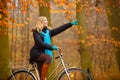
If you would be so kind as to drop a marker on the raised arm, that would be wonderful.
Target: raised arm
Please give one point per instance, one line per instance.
(60, 29)
(63, 28)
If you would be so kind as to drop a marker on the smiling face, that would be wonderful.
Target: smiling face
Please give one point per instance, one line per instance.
(45, 22)
(41, 23)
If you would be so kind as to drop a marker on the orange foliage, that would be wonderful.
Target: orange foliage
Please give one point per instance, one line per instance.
(99, 10)
(67, 8)
(93, 40)
(115, 29)
(20, 25)
(13, 36)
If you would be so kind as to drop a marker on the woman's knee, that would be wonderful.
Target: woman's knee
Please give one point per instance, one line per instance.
(48, 60)
(45, 58)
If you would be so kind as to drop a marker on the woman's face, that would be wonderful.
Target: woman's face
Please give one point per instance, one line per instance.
(45, 22)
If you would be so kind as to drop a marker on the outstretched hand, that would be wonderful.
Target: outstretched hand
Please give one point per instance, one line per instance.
(75, 22)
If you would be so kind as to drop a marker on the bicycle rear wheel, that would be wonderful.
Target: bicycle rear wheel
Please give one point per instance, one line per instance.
(22, 75)
(75, 74)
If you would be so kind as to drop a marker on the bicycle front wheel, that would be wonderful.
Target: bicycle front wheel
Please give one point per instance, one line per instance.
(75, 74)
(22, 75)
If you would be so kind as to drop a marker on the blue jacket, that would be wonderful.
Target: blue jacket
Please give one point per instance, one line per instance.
(39, 45)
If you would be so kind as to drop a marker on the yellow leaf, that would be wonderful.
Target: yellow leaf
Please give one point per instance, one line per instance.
(103, 36)
(99, 10)
(14, 36)
(55, 1)
(114, 28)
(0, 15)
(20, 25)
(26, 22)
(92, 37)
(82, 41)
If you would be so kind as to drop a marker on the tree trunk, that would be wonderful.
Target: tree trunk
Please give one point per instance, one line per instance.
(44, 10)
(4, 47)
(113, 12)
(84, 49)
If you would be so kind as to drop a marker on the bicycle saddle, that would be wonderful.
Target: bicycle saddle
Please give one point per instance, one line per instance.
(31, 61)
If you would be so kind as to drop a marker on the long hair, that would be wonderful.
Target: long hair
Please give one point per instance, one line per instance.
(39, 24)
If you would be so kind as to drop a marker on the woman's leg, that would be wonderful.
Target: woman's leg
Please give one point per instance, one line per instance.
(44, 61)
(40, 65)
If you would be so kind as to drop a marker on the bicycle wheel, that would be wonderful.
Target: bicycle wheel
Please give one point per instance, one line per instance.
(75, 74)
(22, 75)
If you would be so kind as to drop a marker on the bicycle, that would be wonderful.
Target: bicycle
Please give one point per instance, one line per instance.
(64, 73)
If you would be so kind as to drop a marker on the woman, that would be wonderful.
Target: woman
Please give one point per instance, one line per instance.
(41, 52)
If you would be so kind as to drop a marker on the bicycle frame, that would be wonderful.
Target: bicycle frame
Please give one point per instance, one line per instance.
(37, 73)
(64, 68)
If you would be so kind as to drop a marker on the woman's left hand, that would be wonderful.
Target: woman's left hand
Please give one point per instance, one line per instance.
(75, 22)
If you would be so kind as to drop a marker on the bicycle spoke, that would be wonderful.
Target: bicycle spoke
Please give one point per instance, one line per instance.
(76, 74)
(22, 75)
(73, 76)
(13, 77)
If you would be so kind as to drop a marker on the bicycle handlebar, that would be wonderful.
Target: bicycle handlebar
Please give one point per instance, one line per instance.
(60, 54)
(59, 49)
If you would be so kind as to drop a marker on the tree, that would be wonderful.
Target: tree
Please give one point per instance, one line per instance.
(44, 10)
(84, 49)
(113, 11)
(4, 42)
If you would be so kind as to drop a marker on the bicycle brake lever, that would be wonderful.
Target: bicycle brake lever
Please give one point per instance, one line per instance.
(58, 56)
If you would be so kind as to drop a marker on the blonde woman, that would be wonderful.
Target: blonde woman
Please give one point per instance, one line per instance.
(41, 52)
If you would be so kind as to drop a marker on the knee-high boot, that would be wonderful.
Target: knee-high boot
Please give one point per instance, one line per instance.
(44, 71)
(40, 64)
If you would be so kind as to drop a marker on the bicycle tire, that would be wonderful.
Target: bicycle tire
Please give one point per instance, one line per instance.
(22, 75)
(76, 74)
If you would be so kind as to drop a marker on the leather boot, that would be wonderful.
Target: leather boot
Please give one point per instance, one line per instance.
(44, 71)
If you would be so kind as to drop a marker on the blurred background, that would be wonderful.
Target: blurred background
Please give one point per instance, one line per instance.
(93, 44)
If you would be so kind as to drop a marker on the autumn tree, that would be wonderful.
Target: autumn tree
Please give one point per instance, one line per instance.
(113, 11)
(44, 10)
(84, 49)
(4, 42)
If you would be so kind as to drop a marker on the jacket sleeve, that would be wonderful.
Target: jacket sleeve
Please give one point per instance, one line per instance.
(60, 29)
(39, 42)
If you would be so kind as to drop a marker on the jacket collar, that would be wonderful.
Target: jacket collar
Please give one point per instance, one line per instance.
(44, 29)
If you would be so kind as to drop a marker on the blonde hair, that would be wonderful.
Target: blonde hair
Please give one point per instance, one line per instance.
(39, 23)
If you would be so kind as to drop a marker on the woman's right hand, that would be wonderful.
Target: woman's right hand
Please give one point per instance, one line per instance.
(54, 47)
